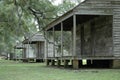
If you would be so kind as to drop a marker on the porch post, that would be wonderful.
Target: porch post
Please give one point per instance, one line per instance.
(53, 42)
(46, 49)
(61, 39)
(28, 50)
(46, 46)
(75, 61)
(58, 63)
(37, 54)
(14, 53)
(22, 51)
(74, 35)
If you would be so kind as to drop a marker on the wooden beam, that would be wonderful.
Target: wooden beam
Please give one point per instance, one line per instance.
(46, 45)
(74, 35)
(14, 52)
(28, 48)
(61, 39)
(23, 50)
(59, 20)
(58, 63)
(37, 54)
(53, 42)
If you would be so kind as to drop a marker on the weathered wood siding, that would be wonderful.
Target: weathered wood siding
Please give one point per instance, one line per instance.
(97, 7)
(94, 37)
(24, 53)
(29, 51)
(41, 50)
(103, 37)
(50, 49)
(116, 28)
(78, 41)
(11, 56)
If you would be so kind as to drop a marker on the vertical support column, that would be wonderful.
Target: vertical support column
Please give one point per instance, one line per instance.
(74, 35)
(53, 42)
(22, 51)
(75, 61)
(28, 51)
(58, 63)
(25, 51)
(37, 53)
(61, 39)
(46, 49)
(47, 62)
(53, 62)
(14, 53)
(66, 63)
(46, 46)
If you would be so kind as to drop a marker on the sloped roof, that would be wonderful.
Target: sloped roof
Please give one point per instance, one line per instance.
(88, 7)
(34, 38)
(19, 46)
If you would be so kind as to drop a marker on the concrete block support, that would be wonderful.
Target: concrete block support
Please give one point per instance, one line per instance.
(76, 63)
(25, 60)
(116, 64)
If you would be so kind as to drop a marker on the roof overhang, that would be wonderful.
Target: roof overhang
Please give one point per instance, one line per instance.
(34, 39)
(80, 10)
(19, 46)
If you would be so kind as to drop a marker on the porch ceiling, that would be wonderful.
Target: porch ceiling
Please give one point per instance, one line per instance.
(68, 23)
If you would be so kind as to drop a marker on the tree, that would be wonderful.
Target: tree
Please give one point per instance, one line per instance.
(22, 17)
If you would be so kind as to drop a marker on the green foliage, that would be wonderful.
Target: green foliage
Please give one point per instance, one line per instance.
(20, 17)
(65, 6)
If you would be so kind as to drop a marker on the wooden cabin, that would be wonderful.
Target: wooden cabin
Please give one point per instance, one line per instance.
(19, 47)
(35, 48)
(11, 56)
(92, 30)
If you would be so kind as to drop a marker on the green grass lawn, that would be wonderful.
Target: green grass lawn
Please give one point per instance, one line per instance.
(10, 70)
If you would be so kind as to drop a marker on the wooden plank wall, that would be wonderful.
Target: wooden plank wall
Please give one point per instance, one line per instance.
(42, 50)
(107, 37)
(103, 36)
(96, 38)
(105, 7)
(97, 7)
(38, 50)
(50, 49)
(116, 28)
(24, 53)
